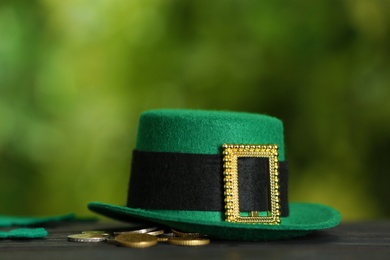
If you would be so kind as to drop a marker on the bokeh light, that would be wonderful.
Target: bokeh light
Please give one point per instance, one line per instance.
(75, 75)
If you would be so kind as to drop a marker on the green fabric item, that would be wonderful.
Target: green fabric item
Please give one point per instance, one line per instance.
(24, 233)
(7, 221)
(304, 218)
(27, 233)
(204, 132)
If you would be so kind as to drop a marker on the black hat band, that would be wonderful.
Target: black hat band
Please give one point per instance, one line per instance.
(182, 181)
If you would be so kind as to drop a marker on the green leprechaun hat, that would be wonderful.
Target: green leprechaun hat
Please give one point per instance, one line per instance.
(218, 173)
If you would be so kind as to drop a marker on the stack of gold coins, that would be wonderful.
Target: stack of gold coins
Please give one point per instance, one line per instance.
(142, 237)
(187, 239)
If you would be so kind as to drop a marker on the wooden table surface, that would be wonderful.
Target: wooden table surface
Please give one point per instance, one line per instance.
(363, 240)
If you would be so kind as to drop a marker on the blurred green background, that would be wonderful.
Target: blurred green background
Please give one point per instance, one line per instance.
(75, 75)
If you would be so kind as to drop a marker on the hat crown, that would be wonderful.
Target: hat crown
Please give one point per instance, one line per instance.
(204, 132)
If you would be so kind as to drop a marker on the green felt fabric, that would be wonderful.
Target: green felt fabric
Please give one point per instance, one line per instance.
(304, 218)
(24, 233)
(7, 221)
(204, 132)
(27, 233)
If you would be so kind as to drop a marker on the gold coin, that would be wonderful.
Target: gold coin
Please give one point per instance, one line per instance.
(136, 240)
(185, 234)
(96, 232)
(188, 241)
(87, 238)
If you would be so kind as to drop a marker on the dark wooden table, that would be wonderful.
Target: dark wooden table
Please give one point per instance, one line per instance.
(363, 240)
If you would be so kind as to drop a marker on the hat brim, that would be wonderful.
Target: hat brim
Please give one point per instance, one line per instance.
(304, 218)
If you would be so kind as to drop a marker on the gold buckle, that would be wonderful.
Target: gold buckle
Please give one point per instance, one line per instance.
(231, 153)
